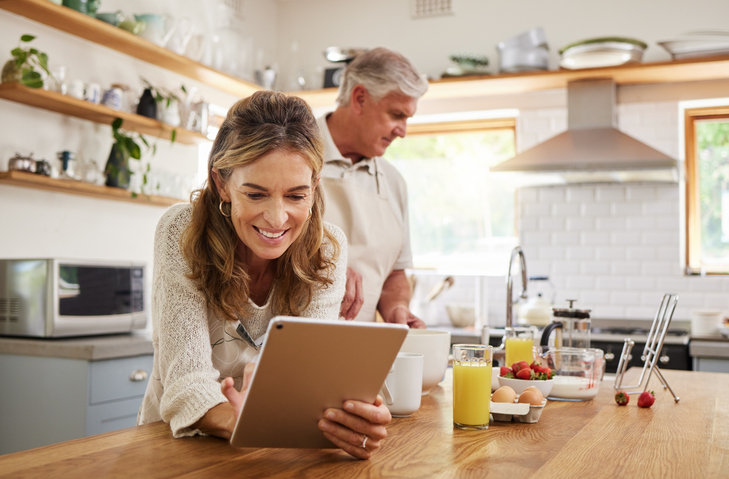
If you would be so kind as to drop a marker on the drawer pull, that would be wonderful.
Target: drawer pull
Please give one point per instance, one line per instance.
(609, 356)
(138, 375)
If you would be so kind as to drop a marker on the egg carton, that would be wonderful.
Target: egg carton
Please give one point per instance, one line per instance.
(518, 412)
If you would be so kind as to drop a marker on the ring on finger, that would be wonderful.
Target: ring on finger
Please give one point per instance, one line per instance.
(364, 442)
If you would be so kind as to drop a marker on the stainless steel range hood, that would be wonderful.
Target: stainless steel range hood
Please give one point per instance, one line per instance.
(592, 149)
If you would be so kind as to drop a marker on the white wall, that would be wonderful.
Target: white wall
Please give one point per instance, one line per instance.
(477, 26)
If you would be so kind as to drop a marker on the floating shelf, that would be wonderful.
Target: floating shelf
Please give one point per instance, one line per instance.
(694, 69)
(40, 182)
(76, 23)
(66, 105)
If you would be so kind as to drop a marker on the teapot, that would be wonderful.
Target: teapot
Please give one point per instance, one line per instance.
(158, 28)
(571, 327)
(537, 310)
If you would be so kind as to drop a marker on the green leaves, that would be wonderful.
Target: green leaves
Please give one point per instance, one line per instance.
(27, 38)
(127, 143)
(26, 60)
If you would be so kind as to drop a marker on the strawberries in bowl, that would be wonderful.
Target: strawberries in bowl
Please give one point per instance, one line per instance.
(521, 375)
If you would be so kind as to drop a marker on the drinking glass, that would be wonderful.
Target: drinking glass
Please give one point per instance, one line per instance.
(471, 385)
(519, 345)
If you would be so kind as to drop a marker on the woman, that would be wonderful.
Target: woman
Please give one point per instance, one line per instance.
(252, 245)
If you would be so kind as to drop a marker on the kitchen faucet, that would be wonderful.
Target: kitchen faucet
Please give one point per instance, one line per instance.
(510, 286)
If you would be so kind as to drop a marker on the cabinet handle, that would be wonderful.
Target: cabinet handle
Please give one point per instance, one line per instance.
(609, 356)
(138, 375)
(664, 359)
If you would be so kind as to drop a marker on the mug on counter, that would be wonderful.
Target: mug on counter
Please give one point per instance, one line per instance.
(402, 388)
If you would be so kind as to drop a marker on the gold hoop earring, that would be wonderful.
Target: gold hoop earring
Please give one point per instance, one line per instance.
(220, 207)
(307, 219)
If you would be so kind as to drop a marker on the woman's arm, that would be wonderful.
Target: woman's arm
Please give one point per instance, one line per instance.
(220, 420)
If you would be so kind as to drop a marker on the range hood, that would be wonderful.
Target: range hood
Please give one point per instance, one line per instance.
(592, 150)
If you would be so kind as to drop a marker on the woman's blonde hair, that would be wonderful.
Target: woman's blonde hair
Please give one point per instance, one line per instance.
(264, 122)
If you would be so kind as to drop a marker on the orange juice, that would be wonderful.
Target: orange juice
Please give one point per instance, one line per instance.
(471, 393)
(519, 349)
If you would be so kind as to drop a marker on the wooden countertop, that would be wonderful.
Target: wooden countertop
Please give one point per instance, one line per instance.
(572, 439)
(91, 348)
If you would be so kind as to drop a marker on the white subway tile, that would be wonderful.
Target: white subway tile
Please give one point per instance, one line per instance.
(534, 238)
(596, 239)
(641, 223)
(668, 222)
(640, 191)
(639, 312)
(706, 285)
(580, 194)
(579, 283)
(691, 300)
(613, 223)
(672, 284)
(626, 298)
(682, 313)
(610, 193)
(668, 253)
(552, 224)
(559, 282)
(566, 239)
(538, 267)
(551, 253)
(552, 194)
(566, 267)
(608, 312)
(594, 297)
(652, 298)
(610, 283)
(610, 252)
(528, 224)
(581, 224)
(625, 238)
(625, 267)
(640, 283)
(595, 267)
(528, 194)
(623, 208)
(659, 238)
(641, 253)
(667, 193)
(565, 209)
(657, 268)
(533, 124)
(536, 209)
(595, 209)
(715, 300)
(655, 208)
(580, 253)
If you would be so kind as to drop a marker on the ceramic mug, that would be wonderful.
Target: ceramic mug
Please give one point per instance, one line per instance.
(158, 28)
(402, 388)
(113, 98)
(76, 89)
(93, 93)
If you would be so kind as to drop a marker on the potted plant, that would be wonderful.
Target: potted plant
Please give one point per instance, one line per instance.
(126, 145)
(22, 68)
(167, 109)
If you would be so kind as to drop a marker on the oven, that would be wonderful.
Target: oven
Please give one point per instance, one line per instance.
(673, 355)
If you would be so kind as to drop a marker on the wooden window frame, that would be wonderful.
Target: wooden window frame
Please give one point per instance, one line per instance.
(693, 212)
(462, 126)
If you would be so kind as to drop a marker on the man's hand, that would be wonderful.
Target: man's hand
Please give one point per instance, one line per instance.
(394, 301)
(402, 315)
(353, 296)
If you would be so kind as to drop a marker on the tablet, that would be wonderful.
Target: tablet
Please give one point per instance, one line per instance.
(306, 366)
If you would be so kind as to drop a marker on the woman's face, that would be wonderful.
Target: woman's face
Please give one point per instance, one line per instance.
(270, 199)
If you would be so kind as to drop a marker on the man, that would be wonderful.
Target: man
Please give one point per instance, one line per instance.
(365, 195)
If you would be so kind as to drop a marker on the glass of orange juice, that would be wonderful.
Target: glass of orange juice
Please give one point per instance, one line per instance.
(519, 345)
(472, 366)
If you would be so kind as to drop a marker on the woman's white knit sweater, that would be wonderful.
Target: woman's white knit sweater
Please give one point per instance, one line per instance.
(194, 349)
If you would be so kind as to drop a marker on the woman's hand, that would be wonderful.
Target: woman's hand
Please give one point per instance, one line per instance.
(347, 428)
(235, 398)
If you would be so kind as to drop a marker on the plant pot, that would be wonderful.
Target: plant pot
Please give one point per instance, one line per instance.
(117, 169)
(11, 73)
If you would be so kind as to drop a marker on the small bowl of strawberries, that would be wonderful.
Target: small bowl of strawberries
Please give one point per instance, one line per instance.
(521, 375)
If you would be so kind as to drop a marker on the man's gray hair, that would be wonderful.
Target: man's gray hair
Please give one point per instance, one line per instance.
(381, 71)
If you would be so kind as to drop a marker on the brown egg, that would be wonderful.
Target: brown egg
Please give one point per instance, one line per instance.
(504, 394)
(533, 388)
(531, 397)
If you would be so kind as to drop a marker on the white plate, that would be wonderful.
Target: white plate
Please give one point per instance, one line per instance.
(597, 59)
(694, 45)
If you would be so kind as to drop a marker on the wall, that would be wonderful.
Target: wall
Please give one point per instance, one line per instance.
(477, 26)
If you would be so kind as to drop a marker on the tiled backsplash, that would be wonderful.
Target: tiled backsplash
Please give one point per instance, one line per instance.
(615, 248)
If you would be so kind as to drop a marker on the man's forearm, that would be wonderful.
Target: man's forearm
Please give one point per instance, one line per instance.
(395, 294)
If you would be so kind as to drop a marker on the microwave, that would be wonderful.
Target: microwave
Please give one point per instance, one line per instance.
(53, 298)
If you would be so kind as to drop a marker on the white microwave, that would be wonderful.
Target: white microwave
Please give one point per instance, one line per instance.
(52, 298)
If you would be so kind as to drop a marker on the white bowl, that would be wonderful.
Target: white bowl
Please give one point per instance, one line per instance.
(435, 346)
(519, 385)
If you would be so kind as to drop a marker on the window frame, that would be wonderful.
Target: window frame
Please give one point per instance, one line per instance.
(694, 264)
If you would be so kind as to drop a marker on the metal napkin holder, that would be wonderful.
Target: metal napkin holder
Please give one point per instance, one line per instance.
(652, 349)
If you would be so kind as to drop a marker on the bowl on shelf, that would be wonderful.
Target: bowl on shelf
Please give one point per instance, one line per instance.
(461, 316)
(519, 385)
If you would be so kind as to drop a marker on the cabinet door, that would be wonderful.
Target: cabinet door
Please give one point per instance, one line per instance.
(118, 379)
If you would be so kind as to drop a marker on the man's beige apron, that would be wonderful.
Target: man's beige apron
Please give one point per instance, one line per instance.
(373, 230)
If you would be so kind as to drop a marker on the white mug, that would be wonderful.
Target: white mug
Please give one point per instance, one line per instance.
(402, 388)
(76, 89)
(93, 93)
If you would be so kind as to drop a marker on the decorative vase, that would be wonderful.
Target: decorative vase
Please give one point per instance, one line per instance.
(147, 105)
(117, 169)
(11, 73)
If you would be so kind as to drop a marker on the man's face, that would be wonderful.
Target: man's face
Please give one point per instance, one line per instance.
(383, 121)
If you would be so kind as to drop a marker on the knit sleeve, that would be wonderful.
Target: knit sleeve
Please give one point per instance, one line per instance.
(180, 313)
(327, 301)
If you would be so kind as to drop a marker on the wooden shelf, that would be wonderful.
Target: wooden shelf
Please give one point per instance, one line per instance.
(31, 180)
(76, 23)
(66, 105)
(694, 69)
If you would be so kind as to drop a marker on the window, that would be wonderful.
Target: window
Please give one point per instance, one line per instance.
(707, 189)
(460, 220)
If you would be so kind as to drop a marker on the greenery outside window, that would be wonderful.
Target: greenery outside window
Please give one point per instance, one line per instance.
(461, 220)
(707, 190)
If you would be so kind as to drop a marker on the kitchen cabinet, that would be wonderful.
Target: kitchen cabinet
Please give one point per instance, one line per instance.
(710, 354)
(45, 400)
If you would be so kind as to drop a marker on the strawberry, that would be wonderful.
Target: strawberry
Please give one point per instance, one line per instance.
(622, 398)
(503, 371)
(548, 372)
(646, 399)
(516, 367)
(525, 373)
(535, 365)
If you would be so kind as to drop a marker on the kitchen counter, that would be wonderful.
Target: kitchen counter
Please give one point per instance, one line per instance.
(572, 439)
(92, 348)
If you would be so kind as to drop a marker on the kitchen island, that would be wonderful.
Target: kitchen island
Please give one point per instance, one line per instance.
(572, 439)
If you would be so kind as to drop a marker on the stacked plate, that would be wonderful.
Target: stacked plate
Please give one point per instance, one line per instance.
(697, 44)
(527, 51)
(602, 52)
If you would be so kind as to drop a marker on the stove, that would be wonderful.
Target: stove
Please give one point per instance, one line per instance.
(674, 355)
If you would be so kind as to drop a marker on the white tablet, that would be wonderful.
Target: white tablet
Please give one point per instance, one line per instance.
(307, 366)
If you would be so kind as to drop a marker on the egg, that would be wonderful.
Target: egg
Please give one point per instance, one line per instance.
(531, 397)
(504, 394)
(533, 388)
